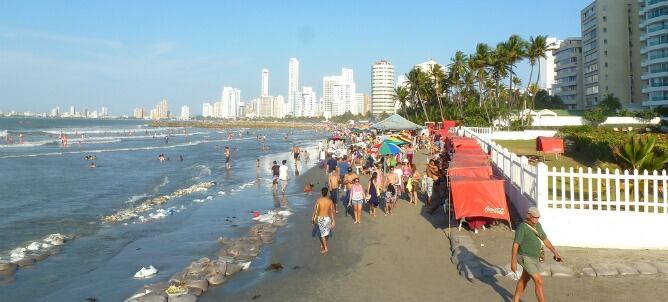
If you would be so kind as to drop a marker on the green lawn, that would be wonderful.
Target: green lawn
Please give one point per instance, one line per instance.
(567, 160)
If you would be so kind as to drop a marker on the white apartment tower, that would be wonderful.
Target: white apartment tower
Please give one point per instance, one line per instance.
(546, 67)
(382, 87)
(339, 93)
(568, 61)
(230, 99)
(611, 51)
(207, 110)
(185, 112)
(654, 52)
(293, 85)
(265, 82)
(308, 102)
(162, 110)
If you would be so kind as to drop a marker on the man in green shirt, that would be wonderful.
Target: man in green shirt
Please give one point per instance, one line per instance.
(526, 252)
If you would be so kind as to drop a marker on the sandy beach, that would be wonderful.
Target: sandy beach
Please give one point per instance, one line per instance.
(404, 257)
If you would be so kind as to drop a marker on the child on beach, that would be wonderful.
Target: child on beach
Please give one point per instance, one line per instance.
(308, 189)
(390, 199)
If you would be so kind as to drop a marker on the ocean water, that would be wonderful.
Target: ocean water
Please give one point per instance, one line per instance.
(48, 188)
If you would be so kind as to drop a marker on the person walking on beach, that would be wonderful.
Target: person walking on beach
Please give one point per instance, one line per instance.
(333, 183)
(528, 252)
(283, 175)
(390, 199)
(275, 171)
(357, 198)
(348, 180)
(323, 218)
(227, 157)
(373, 192)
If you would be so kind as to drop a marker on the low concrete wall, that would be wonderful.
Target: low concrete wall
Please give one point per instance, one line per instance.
(522, 135)
(605, 229)
(558, 121)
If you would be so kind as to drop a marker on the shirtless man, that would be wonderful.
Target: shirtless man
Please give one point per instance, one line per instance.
(227, 157)
(391, 178)
(333, 186)
(348, 181)
(323, 217)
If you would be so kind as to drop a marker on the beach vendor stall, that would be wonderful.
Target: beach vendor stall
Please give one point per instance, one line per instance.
(547, 145)
(478, 200)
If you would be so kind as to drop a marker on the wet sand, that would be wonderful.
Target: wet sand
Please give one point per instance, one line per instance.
(404, 257)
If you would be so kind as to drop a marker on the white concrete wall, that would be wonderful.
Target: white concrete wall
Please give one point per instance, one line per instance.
(605, 229)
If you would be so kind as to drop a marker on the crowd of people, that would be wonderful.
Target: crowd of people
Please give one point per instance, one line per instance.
(389, 177)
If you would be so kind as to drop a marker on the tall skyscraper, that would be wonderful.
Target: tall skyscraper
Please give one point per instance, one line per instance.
(207, 110)
(611, 51)
(161, 110)
(339, 93)
(546, 67)
(138, 113)
(265, 82)
(293, 85)
(72, 111)
(382, 87)
(653, 52)
(185, 112)
(230, 99)
(568, 60)
(104, 111)
(309, 102)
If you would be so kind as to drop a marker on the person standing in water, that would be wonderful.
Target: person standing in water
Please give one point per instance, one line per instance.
(275, 171)
(283, 175)
(227, 157)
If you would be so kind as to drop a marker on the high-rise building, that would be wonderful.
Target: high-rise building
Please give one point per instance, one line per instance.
(278, 107)
(382, 86)
(426, 66)
(293, 85)
(138, 113)
(568, 61)
(265, 82)
(161, 110)
(308, 99)
(654, 52)
(339, 93)
(207, 110)
(55, 112)
(185, 112)
(230, 99)
(217, 109)
(611, 51)
(73, 112)
(546, 70)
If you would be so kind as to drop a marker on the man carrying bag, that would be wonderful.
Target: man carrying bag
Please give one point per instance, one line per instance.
(528, 252)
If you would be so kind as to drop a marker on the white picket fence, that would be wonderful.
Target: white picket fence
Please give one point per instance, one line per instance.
(586, 207)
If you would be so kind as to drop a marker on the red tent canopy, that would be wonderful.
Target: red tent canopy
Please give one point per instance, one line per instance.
(466, 155)
(550, 144)
(478, 197)
(445, 124)
(477, 171)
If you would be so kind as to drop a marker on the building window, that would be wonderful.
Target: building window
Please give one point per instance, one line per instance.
(606, 64)
(604, 19)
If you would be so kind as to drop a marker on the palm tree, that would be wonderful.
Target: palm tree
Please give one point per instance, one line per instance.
(457, 70)
(401, 95)
(638, 153)
(478, 63)
(437, 75)
(537, 49)
(416, 85)
(514, 51)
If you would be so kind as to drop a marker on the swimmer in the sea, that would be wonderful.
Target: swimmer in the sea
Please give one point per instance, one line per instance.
(92, 165)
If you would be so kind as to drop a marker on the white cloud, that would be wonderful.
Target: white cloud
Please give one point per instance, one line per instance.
(163, 47)
(57, 37)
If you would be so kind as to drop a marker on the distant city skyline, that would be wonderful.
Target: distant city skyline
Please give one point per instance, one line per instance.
(80, 53)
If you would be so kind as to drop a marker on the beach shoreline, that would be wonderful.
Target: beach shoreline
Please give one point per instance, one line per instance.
(230, 124)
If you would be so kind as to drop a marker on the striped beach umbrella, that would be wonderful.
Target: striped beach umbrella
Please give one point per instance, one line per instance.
(388, 148)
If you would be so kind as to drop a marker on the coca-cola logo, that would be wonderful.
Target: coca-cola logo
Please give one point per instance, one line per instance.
(498, 211)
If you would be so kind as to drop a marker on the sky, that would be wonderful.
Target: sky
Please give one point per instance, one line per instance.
(126, 54)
